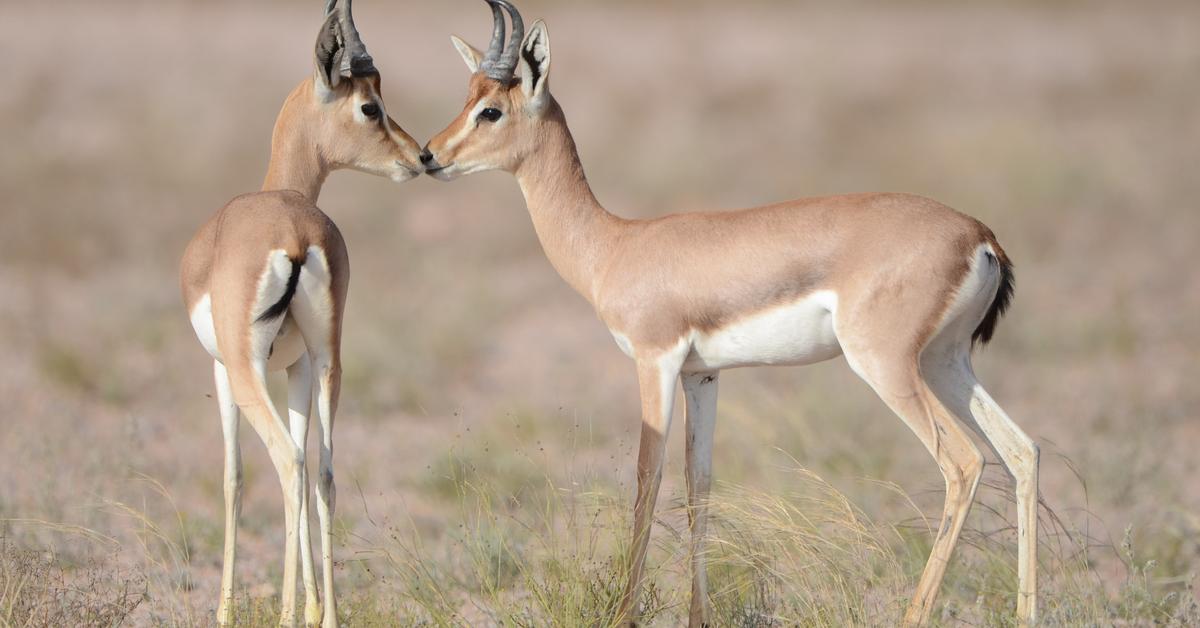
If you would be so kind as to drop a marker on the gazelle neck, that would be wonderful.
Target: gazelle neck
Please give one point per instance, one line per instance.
(576, 232)
(296, 162)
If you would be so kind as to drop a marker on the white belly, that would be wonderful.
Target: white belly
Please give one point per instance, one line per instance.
(800, 332)
(287, 347)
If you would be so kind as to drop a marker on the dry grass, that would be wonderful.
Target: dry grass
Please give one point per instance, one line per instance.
(486, 440)
(41, 588)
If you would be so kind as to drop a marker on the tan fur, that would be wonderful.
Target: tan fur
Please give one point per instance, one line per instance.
(705, 270)
(319, 129)
(897, 264)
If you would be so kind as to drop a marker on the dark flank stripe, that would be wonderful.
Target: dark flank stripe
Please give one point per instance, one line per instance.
(277, 310)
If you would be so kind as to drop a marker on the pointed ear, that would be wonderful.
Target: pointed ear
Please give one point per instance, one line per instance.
(470, 55)
(535, 65)
(328, 57)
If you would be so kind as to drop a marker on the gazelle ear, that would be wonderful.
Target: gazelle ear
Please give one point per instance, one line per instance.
(535, 65)
(328, 58)
(470, 55)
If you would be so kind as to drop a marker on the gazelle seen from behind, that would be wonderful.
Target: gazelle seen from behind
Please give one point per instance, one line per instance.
(903, 286)
(265, 281)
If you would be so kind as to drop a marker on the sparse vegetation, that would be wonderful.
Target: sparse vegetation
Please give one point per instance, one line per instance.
(40, 588)
(488, 427)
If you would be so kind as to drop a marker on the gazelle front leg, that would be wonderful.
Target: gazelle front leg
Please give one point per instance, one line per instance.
(656, 379)
(299, 407)
(233, 488)
(700, 392)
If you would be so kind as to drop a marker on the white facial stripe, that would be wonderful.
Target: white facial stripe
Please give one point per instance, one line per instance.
(373, 98)
(466, 129)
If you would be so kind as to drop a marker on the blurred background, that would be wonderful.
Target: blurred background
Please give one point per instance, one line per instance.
(472, 372)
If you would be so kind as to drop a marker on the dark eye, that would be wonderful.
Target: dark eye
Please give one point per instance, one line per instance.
(370, 110)
(490, 114)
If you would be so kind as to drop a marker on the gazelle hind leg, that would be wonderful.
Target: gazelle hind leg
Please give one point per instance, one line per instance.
(954, 382)
(899, 383)
(1020, 456)
(299, 406)
(288, 460)
(700, 392)
(245, 342)
(233, 489)
(316, 314)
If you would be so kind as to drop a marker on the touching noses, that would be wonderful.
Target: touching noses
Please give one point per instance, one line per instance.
(426, 156)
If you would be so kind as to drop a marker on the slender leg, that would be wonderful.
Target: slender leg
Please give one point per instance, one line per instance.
(245, 344)
(288, 460)
(299, 406)
(656, 380)
(315, 311)
(955, 383)
(329, 377)
(233, 489)
(948, 371)
(700, 391)
(1020, 456)
(899, 383)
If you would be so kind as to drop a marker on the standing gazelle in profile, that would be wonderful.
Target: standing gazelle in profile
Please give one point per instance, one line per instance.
(265, 284)
(901, 285)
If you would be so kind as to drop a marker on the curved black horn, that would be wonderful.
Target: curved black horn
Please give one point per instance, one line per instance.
(360, 62)
(491, 60)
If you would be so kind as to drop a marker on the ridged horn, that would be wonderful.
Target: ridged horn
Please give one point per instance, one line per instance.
(502, 65)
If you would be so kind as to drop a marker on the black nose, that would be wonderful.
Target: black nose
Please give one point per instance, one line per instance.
(426, 156)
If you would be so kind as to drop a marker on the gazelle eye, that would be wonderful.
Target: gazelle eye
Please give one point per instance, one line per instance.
(490, 114)
(370, 110)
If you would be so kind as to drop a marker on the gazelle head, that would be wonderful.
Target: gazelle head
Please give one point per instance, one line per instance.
(341, 110)
(504, 117)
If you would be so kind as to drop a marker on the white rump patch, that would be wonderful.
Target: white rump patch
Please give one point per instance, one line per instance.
(202, 323)
(972, 299)
(272, 285)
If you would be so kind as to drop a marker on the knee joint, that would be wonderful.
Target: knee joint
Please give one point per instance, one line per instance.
(326, 477)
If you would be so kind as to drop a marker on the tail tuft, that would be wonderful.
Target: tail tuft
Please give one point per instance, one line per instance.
(281, 306)
(1004, 295)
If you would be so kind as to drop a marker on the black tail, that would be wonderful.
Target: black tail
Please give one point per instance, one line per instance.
(281, 306)
(1004, 295)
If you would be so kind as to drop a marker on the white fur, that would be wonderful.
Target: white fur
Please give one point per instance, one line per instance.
(313, 288)
(622, 342)
(800, 332)
(470, 55)
(669, 365)
(202, 323)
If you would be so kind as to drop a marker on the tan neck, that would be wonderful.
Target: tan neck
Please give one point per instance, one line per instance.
(576, 232)
(296, 162)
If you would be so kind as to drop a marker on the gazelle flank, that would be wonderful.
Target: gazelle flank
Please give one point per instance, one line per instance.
(901, 285)
(265, 281)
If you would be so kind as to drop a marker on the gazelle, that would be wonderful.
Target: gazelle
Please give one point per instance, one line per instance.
(265, 284)
(903, 286)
